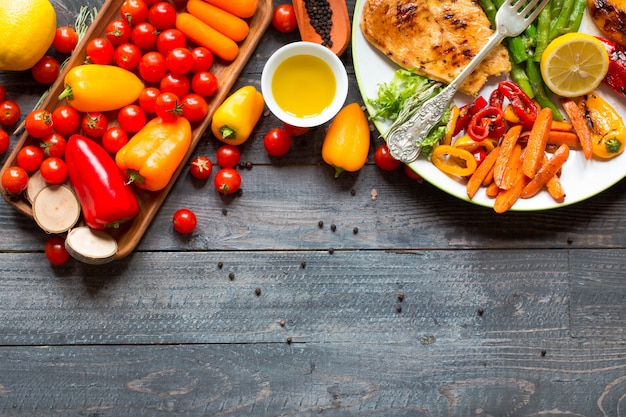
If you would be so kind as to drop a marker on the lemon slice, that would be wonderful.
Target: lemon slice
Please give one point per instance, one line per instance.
(574, 64)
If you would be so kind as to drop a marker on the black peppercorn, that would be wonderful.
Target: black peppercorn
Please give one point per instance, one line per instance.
(220, 265)
(320, 15)
(231, 276)
(333, 227)
(320, 224)
(257, 291)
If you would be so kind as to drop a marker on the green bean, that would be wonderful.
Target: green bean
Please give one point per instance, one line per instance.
(576, 16)
(541, 95)
(519, 76)
(490, 10)
(543, 33)
(555, 7)
(560, 22)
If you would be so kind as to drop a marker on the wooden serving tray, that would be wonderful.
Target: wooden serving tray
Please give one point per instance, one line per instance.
(129, 235)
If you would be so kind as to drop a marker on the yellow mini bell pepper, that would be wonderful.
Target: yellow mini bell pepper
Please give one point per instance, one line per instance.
(152, 156)
(347, 140)
(608, 132)
(235, 118)
(453, 161)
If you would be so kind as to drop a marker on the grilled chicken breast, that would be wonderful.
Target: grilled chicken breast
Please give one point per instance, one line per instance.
(436, 39)
(610, 17)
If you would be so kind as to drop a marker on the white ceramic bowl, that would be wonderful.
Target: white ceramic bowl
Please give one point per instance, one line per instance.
(319, 51)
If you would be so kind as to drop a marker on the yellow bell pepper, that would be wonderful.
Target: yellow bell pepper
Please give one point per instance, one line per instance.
(453, 161)
(235, 118)
(153, 155)
(347, 140)
(93, 87)
(608, 132)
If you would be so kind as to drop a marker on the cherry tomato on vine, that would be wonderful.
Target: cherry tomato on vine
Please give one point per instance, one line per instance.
(65, 120)
(14, 180)
(284, 18)
(295, 130)
(29, 158)
(53, 170)
(46, 70)
(65, 39)
(162, 15)
(227, 156)
(227, 180)
(9, 112)
(94, 124)
(177, 84)
(55, 251)
(147, 99)
(179, 61)
(184, 221)
(202, 59)
(201, 167)
(54, 145)
(5, 141)
(195, 107)
(38, 123)
(134, 11)
(168, 106)
(114, 139)
(152, 67)
(384, 160)
(118, 31)
(144, 35)
(277, 142)
(127, 56)
(100, 51)
(170, 39)
(204, 83)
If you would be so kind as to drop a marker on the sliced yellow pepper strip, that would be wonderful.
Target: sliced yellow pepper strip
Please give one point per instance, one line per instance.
(453, 161)
(454, 116)
(470, 145)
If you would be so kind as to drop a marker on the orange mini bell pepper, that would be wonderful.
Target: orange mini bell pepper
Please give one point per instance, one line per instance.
(152, 156)
(347, 140)
(236, 117)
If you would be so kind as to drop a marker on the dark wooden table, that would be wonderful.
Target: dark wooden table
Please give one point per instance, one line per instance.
(436, 307)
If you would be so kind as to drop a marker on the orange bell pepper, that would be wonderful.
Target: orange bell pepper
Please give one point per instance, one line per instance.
(347, 140)
(152, 156)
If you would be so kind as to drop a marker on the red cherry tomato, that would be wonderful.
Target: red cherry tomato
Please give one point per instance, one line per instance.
(202, 59)
(38, 123)
(147, 99)
(195, 107)
(295, 130)
(14, 180)
(384, 160)
(412, 175)
(54, 145)
(162, 15)
(65, 39)
(9, 112)
(65, 120)
(284, 18)
(134, 11)
(204, 83)
(170, 39)
(100, 51)
(5, 141)
(227, 156)
(179, 61)
(118, 31)
(177, 84)
(131, 118)
(94, 124)
(53, 170)
(144, 35)
(227, 181)
(114, 139)
(201, 167)
(46, 70)
(184, 221)
(55, 251)
(168, 106)
(127, 56)
(277, 142)
(152, 67)
(29, 158)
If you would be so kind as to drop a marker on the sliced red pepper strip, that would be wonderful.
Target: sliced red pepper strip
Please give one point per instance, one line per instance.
(524, 106)
(466, 112)
(487, 123)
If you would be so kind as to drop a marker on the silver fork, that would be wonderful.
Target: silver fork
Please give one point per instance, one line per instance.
(512, 18)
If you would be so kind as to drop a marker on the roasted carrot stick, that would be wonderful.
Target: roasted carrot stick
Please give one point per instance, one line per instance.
(562, 125)
(536, 145)
(219, 19)
(580, 125)
(477, 178)
(204, 35)
(506, 147)
(492, 190)
(241, 8)
(559, 137)
(555, 188)
(547, 171)
(506, 198)
(513, 168)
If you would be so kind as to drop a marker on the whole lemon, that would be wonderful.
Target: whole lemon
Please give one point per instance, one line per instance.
(28, 28)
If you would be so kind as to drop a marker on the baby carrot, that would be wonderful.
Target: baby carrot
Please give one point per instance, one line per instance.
(506, 198)
(204, 35)
(513, 168)
(559, 137)
(506, 147)
(477, 178)
(547, 171)
(219, 19)
(555, 189)
(580, 125)
(492, 190)
(537, 140)
(241, 8)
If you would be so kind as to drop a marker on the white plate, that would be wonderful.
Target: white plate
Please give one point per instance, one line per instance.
(581, 178)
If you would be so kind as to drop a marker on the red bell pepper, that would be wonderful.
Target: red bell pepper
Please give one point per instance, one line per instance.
(466, 112)
(106, 199)
(524, 106)
(487, 123)
(616, 76)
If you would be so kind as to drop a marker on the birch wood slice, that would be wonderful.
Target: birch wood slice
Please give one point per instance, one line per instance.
(56, 209)
(91, 246)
